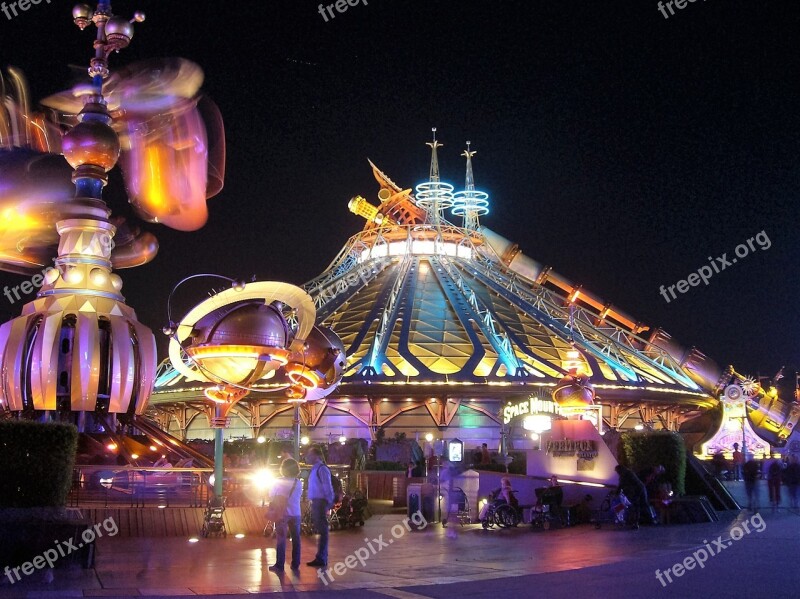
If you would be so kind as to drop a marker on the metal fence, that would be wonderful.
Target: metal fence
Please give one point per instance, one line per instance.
(173, 487)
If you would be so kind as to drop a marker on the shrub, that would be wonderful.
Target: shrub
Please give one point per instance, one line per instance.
(36, 462)
(640, 451)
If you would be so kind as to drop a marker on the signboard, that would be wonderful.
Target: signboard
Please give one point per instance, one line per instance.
(532, 405)
(455, 450)
(564, 448)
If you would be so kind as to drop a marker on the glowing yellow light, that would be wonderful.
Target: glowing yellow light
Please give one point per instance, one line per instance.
(193, 540)
(112, 446)
(134, 456)
(261, 439)
(429, 437)
(304, 441)
(153, 448)
(239, 535)
(262, 479)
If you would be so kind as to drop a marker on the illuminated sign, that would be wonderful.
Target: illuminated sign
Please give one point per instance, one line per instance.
(455, 450)
(586, 450)
(532, 405)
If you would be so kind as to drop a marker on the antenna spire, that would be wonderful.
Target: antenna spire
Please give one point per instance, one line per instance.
(434, 196)
(470, 203)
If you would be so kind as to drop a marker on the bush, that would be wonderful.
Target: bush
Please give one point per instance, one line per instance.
(36, 462)
(640, 451)
(384, 465)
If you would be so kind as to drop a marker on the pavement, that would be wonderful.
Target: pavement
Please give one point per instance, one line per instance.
(744, 554)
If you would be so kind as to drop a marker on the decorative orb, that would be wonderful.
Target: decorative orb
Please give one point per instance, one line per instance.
(116, 282)
(139, 16)
(250, 323)
(240, 343)
(82, 14)
(91, 142)
(119, 31)
(573, 391)
(73, 276)
(98, 277)
(51, 275)
(322, 361)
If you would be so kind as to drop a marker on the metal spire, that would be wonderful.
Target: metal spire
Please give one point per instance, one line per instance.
(470, 203)
(434, 196)
(434, 175)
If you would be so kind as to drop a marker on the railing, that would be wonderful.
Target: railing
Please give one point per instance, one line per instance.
(173, 487)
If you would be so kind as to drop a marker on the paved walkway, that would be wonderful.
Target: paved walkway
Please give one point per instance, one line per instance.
(463, 562)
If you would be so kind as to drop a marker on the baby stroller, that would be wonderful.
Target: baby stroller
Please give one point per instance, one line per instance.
(358, 507)
(459, 506)
(617, 509)
(213, 518)
(340, 514)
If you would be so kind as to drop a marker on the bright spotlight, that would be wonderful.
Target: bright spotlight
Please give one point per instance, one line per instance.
(342, 439)
(304, 441)
(429, 437)
(262, 479)
(261, 439)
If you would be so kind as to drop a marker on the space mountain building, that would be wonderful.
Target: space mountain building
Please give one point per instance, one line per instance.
(450, 326)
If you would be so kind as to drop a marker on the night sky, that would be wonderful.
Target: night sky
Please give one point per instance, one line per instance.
(619, 147)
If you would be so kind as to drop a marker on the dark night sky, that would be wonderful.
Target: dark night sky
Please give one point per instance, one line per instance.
(619, 147)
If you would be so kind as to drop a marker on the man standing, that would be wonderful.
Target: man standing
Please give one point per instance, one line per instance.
(320, 492)
(750, 473)
(738, 461)
(485, 457)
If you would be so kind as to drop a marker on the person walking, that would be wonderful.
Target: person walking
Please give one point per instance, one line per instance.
(750, 475)
(791, 477)
(738, 461)
(634, 489)
(774, 476)
(320, 492)
(289, 487)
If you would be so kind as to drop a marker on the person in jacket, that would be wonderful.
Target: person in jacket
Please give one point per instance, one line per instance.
(634, 490)
(291, 487)
(320, 492)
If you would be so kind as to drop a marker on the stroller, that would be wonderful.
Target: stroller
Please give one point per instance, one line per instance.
(358, 507)
(618, 510)
(213, 518)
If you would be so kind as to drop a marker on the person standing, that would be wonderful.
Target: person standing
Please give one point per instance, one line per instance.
(791, 476)
(320, 492)
(750, 475)
(291, 487)
(774, 475)
(485, 457)
(738, 461)
(634, 489)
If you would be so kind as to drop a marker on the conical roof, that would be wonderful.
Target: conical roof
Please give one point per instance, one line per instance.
(420, 302)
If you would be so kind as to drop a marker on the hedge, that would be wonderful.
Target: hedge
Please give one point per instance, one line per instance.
(641, 451)
(36, 462)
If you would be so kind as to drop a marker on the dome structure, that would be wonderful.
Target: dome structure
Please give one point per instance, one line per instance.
(444, 325)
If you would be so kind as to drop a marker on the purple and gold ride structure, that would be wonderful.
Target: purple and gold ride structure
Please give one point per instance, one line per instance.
(77, 352)
(453, 327)
(260, 332)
